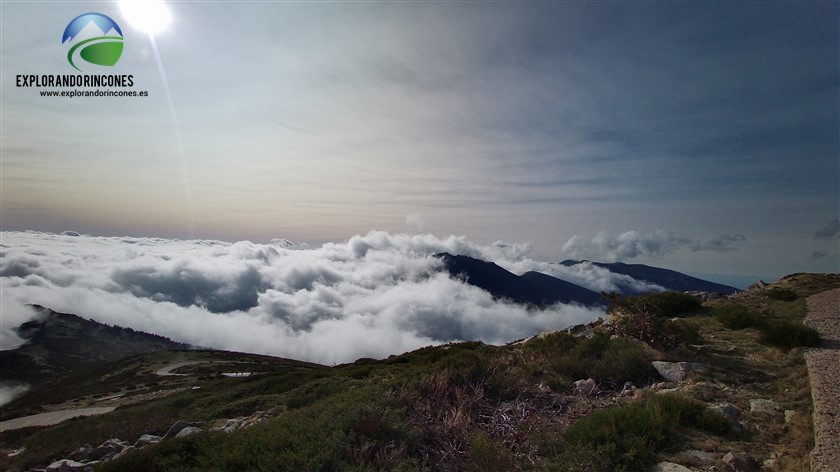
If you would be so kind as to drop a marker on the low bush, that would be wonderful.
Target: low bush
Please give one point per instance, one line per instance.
(737, 317)
(788, 335)
(782, 294)
(661, 305)
(628, 437)
(607, 360)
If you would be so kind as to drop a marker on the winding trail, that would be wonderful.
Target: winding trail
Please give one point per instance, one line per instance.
(52, 417)
(824, 373)
(167, 371)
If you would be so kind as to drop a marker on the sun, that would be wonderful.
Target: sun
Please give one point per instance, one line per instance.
(148, 16)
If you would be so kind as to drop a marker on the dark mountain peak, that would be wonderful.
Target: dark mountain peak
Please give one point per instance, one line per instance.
(61, 342)
(531, 288)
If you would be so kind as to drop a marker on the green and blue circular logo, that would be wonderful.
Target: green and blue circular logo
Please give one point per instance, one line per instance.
(95, 39)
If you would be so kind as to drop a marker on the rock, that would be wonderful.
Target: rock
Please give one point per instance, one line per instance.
(232, 425)
(107, 449)
(699, 456)
(628, 389)
(175, 429)
(763, 406)
(147, 439)
(664, 386)
(81, 453)
(739, 462)
(760, 285)
(586, 387)
(178, 426)
(188, 431)
(677, 371)
(123, 452)
(730, 411)
(66, 465)
(790, 415)
(669, 467)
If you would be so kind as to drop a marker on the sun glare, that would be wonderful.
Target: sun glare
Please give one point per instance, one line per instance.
(148, 16)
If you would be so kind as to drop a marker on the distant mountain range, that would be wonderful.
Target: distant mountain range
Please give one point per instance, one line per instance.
(540, 290)
(668, 279)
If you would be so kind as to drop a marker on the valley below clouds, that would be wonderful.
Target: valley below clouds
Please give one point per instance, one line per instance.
(371, 296)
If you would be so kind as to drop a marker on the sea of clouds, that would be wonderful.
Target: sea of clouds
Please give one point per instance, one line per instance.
(370, 296)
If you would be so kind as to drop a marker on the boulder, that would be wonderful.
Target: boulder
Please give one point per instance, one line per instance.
(763, 406)
(728, 410)
(188, 431)
(107, 449)
(586, 387)
(81, 453)
(739, 462)
(179, 426)
(790, 415)
(146, 439)
(677, 371)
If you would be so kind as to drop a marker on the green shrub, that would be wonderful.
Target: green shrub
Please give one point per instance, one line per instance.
(782, 294)
(606, 360)
(628, 437)
(788, 335)
(661, 305)
(737, 317)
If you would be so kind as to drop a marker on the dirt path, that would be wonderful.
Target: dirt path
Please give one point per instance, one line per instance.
(52, 417)
(167, 371)
(824, 373)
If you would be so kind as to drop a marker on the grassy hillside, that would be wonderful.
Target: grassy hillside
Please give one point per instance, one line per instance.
(471, 406)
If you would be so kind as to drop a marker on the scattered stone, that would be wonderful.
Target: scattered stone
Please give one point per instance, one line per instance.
(81, 453)
(147, 439)
(586, 387)
(16, 452)
(669, 467)
(677, 371)
(763, 406)
(188, 431)
(628, 389)
(790, 415)
(739, 462)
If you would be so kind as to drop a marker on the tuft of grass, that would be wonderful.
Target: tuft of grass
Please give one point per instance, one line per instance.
(782, 294)
(788, 335)
(736, 317)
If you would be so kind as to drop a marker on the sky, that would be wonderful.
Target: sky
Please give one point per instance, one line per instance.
(697, 136)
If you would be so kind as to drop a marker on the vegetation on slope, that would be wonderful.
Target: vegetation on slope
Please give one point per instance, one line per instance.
(470, 406)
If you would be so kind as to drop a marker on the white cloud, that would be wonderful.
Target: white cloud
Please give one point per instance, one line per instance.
(370, 296)
(605, 247)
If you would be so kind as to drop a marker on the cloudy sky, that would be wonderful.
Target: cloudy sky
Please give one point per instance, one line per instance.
(696, 136)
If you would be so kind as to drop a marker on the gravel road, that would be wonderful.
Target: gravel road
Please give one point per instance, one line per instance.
(824, 373)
